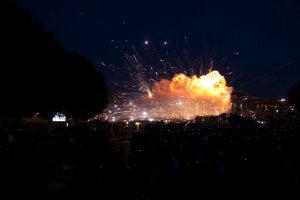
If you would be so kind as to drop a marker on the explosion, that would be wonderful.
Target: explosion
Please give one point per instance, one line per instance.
(185, 97)
(181, 98)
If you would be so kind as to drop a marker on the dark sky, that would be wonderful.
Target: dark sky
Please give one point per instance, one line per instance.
(258, 41)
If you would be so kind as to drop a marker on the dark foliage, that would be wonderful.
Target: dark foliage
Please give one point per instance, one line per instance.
(294, 95)
(37, 74)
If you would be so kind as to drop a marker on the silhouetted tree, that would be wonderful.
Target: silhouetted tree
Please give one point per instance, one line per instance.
(37, 74)
(294, 95)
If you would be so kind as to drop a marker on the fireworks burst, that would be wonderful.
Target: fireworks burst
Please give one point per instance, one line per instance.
(185, 97)
(154, 98)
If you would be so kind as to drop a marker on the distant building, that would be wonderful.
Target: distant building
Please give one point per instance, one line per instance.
(263, 109)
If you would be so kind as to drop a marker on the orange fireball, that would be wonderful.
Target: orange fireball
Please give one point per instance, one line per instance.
(197, 93)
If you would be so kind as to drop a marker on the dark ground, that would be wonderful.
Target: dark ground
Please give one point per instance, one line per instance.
(162, 161)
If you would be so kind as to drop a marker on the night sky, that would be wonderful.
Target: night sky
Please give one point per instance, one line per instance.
(255, 44)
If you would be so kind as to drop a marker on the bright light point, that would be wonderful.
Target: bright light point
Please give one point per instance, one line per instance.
(145, 113)
(282, 100)
(179, 103)
(59, 117)
(165, 42)
(150, 95)
(137, 123)
(146, 42)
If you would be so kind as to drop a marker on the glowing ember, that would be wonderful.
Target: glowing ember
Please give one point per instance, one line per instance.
(181, 98)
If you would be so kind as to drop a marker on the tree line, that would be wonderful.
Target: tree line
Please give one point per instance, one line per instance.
(38, 74)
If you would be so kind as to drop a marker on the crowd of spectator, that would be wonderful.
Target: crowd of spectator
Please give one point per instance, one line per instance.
(170, 160)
